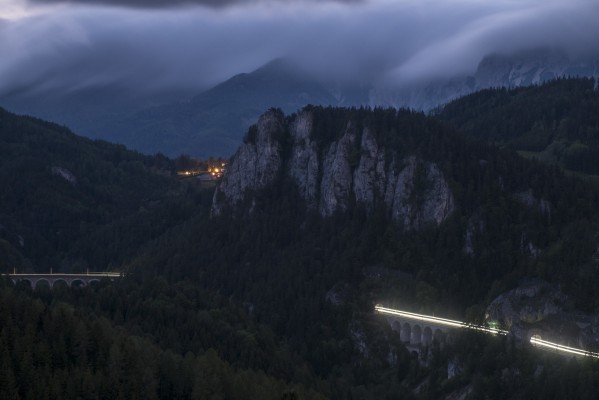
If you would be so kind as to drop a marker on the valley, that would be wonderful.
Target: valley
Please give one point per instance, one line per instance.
(299, 200)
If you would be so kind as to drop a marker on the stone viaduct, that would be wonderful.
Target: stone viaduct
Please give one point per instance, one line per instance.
(420, 329)
(69, 279)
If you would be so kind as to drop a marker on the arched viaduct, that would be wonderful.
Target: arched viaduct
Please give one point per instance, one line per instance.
(70, 279)
(420, 329)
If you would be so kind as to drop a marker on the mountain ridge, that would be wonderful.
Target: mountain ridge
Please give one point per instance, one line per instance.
(213, 122)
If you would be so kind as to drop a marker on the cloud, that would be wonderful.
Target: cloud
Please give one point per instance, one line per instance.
(567, 26)
(67, 47)
(172, 3)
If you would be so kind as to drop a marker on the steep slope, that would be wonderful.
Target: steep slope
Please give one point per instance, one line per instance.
(557, 121)
(423, 179)
(91, 110)
(352, 168)
(304, 234)
(72, 203)
(212, 123)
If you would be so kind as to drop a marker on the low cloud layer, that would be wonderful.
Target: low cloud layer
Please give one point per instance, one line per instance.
(69, 47)
(175, 3)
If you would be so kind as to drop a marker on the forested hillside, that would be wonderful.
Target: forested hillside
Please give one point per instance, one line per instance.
(557, 122)
(504, 206)
(271, 294)
(70, 203)
(513, 219)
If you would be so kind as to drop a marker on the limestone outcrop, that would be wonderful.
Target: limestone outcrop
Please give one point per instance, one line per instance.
(353, 168)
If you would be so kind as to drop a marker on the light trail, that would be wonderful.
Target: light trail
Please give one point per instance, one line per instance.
(535, 341)
(439, 321)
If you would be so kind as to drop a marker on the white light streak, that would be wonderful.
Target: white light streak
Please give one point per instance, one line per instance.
(438, 321)
(536, 341)
(565, 349)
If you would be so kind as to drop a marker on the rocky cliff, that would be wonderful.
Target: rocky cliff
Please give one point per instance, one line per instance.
(536, 307)
(354, 168)
(256, 163)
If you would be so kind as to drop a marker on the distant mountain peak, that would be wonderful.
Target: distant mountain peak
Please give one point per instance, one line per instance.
(279, 64)
(523, 68)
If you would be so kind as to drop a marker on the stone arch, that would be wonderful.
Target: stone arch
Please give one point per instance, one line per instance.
(61, 282)
(396, 326)
(29, 281)
(406, 333)
(439, 336)
(416, 337)
(427, 335)
(95, 281)
(35, 284)
(78, 282)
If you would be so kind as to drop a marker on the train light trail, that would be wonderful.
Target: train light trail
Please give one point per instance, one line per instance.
(438, 321)
(537, 341)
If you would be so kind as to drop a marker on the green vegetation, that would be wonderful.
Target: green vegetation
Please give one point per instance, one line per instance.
(52, 350)
(239, 306)
(558, 120)
(71, 203)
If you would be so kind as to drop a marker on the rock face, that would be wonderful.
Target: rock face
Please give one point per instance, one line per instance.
(528, 199)
(418, 195)
(353, 168)
(369, 176)
(538, 308)
(527, 304)
(304, 163)
(256, 163)
(335, 187)
(65, 174)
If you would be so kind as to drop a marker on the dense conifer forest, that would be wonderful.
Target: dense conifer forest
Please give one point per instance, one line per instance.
(556, 122)
(238, 306)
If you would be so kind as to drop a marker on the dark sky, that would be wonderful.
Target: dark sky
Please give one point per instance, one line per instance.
(158, 44)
